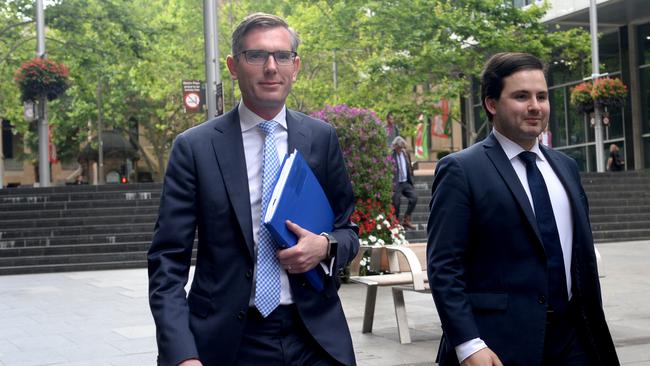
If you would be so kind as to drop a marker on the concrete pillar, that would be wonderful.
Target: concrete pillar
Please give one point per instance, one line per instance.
(635, 97)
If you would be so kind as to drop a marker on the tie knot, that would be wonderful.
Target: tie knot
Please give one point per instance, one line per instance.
(528, 157)
(268, 126)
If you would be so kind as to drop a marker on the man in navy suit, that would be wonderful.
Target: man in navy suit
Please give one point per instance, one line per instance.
(511, 260)
(235, 312)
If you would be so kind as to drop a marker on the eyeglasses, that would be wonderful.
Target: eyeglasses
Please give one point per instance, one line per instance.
(259, 57)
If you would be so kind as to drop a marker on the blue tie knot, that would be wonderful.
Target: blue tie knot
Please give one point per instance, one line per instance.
(268, 126)
(528, 157)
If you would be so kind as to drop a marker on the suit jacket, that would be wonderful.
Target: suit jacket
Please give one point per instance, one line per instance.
(206, 188)
(409, 168)
(486, 261)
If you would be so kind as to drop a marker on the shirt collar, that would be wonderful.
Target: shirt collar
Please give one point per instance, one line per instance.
(248, 119)
(513, 149)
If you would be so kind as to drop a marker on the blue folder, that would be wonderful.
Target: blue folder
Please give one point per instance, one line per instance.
(298, 197)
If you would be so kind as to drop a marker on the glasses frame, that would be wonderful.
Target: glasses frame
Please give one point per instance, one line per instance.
(294, 54)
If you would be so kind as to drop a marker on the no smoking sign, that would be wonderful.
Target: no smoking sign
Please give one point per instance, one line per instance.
(192, 101)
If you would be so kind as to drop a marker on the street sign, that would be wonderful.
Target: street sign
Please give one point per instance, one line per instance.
(192, 96)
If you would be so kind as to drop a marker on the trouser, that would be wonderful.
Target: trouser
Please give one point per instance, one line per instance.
(280, 339)
(562, 343)
(406, 189)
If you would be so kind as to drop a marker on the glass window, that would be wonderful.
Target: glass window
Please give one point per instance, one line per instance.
(557, 122)
(645, 99)
(578, 153)
(646, 151)
(608, 52)
(576, 127)
(615, 128)
(644, 44)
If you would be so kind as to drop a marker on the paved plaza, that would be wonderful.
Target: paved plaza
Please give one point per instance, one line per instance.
(102, 317)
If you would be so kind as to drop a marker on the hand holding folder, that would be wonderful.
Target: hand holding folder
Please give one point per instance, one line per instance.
(298, 197)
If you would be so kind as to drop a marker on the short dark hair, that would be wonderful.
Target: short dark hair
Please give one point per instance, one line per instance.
(260, 20)
(499, 67)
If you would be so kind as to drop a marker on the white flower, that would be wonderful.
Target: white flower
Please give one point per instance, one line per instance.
(372, 238)
(380, 217)
(386, 223)
(378, 227)
(381, 242)
(394, 231)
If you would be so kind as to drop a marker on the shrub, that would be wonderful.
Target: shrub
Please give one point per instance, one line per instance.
(363, 140)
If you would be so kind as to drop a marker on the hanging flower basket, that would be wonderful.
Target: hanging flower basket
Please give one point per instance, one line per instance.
(42, 77)
(581, 98)
(609, 92)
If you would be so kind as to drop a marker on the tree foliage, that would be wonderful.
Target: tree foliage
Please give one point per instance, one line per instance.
(127, 58)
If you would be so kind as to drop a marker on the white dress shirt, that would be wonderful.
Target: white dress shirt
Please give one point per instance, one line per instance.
(253, 138)
(561, 211)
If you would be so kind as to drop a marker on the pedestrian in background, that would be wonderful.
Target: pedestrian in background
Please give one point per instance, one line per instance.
(614, 162)
(403, 181)
(511, 259)
(249, 303)
(392, 130)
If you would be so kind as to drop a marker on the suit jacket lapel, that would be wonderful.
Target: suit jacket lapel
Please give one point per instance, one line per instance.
(299, 134)
(229, 150)
(498, 157)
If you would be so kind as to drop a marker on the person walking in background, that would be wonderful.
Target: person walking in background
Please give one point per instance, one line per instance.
(403, 181)
(249, 303)
(511, 259)
(392, 130)
(614, 162)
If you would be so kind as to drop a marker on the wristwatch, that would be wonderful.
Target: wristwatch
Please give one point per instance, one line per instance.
(332, 244)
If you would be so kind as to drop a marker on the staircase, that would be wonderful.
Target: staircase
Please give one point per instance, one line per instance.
(76, 228)
(619, 206)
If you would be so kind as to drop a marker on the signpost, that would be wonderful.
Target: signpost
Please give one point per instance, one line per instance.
(193, 98)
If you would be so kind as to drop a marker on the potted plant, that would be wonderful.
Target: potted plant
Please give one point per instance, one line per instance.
(41, 77)
(609, 92)
(581, 98)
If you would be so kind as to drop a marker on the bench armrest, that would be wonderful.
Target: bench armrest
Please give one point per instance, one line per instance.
(413, 262)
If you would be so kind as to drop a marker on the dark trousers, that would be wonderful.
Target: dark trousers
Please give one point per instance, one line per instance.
(280, 339)
(406, 189)
(563, 345)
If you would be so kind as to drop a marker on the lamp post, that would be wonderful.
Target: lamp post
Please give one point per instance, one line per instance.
(595, 74)
(43, 130)
(212, 71)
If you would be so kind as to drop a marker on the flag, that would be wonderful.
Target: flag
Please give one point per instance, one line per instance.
(441, 126)
(421, 141)
(52, 148)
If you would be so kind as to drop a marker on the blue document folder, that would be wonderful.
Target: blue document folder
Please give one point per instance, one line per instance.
(298, 197)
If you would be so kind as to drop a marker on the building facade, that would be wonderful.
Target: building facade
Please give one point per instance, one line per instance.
(624, 52)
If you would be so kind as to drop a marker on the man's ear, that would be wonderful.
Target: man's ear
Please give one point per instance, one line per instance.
(491, 105)
(232, 67)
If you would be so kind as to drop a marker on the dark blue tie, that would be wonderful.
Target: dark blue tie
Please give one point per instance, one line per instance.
(558, 298)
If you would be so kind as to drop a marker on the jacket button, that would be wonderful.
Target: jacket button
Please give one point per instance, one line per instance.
(241, 315)
(249, 273)
(541, 299)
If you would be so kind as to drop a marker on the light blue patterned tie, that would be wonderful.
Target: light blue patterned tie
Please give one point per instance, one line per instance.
(267, 282)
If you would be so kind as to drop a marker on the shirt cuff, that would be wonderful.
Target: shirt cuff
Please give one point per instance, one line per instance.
(328, 267)
(468, 348)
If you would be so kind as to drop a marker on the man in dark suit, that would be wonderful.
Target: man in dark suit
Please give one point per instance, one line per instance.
(403, 181)
(249, 303)
(511, 260)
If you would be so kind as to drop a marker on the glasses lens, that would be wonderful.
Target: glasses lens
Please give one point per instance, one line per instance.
(283, 57)
(257, 57)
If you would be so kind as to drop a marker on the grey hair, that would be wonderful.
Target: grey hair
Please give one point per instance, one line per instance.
(399, 142)
(260, 20)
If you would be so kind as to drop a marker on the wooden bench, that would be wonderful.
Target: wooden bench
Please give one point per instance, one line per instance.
(407, 265)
